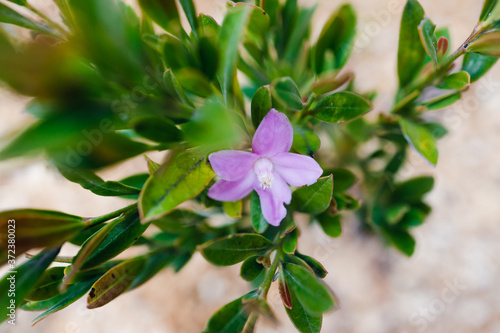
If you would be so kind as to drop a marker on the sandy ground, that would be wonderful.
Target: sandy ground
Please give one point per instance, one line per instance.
(449, 285)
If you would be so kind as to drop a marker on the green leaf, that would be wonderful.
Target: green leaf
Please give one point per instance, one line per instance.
(178, 221)
(251, 269)
(477, 65)
(487, 44)
(194, 81)
(411, 53)
(259, 223)
(164, 13)
(298, 34)
(231, 318)
(317, 268)
(154, 263)
(456, 81)
(209, 56)
(412, 190)
(340, 107)
(233, 209)
(190, 11)
(71, 295)
(111, 240)
(489, 6)
(175, 182)
(233, 249)
(15, 286)
(311, 293)
(302, 319)
(305, 141)
(19, 2)
(290, 241)
(156, 128)
(230, 35)
(90, 181)
(442, 101)
(287, 92)
(112, 284)
(174, 89)
(427, 33)
(8, 15)
(343, 179)
(204, 127)
(37, 229)
(336, 40)
(47, 285)
(420, 139)
(330, 83)
(401, 239)
(330, 224)
(261, 104)
(315, 198)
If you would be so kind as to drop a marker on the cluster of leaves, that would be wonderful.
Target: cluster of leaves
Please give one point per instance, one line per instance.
(108, 85)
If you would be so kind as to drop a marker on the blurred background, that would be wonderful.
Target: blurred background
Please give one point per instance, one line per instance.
(449, 285)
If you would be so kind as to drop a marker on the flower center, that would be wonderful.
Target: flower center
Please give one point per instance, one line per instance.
(263, 168)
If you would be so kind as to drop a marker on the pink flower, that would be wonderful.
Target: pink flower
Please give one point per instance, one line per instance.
(268, 169)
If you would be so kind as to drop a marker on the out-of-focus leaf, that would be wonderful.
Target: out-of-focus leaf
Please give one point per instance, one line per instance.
(194, 81)
(209, 56)
(298, 34)
(230, 34)
(287, 92)
(233, 249)
(411, 53)
(420, 139)
(305, 141)
(15, 286)
(488, 7)
(330, 224)
(156, 129)
(164, 13)
(401, 239)
(477, 65)
(427, 33)
(341, 106)
(90, 181)
(8, 15)
(47, 285)
(233, 208)
(330, 83)
(412, 190)
(442, 101)
(456, 81)
(487, 44)
(175, 182)
(343, 179)
(36, 228)
(290, 241)
(178, 221)
(175, 89)
(336, 40)
(261, 104)
(190, 11)
(204, 129)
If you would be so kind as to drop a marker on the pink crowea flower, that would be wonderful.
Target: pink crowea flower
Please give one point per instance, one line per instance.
(268, 169)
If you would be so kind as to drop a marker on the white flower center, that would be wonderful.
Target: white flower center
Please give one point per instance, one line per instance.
(263, 168)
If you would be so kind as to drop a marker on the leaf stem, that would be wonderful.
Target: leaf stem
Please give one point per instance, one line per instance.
(91, 222)
(264, 288)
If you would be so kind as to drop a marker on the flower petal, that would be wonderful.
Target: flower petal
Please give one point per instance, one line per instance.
(274, 135)
(224, 190)
(297, 170)
(272, 199)
(232, 165)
